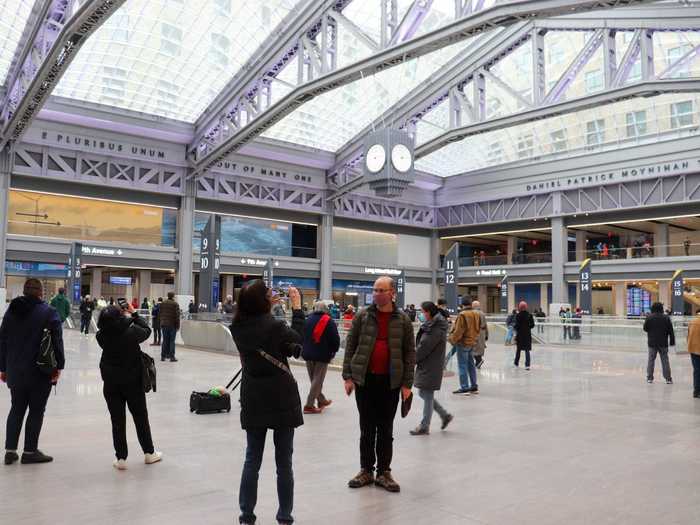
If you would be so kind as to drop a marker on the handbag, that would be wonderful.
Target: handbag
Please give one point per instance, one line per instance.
(148, 371)
(46, 357)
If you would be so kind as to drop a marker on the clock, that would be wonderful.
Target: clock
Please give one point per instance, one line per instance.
(401, 158)
(375, 158)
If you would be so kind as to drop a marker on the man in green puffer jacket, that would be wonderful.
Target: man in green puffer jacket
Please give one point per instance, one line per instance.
(61, 304)
(380, 359)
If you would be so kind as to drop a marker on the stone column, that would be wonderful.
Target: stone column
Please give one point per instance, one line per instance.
(560, 291)
(325, 254)
(184, 282)
(435, 265)
(544, 303)
(665, 293)
(483, 296)
(6, 161)
(511, 296)
(144, 284)
(228, 286)
(580, 245)
(661, 240)
(620, 294)
(96, 283)
(512, 249)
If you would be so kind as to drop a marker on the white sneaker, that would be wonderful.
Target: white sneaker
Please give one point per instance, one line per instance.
(119, 464)
(149, 459)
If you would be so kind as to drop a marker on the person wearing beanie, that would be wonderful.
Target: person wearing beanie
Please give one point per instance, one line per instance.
(524, 323)
(21, 333)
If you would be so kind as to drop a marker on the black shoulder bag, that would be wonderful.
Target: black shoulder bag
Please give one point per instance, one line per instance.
(148, 372)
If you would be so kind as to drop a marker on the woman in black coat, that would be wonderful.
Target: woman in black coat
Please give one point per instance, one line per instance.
(269, 393)
(121, 331)
(430, 359)
(524, 323)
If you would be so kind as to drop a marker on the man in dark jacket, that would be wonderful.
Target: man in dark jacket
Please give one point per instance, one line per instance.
(86, 309)
(21, 333)
(660, 336)
(380, 358)
(169, 315)
(321, 343)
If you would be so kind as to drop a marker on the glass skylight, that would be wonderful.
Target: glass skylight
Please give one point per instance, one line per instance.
(170, 58)
(611, 127)
(13, 18)
(330, 120)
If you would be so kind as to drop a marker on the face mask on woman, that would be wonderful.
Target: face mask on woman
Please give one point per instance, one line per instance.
(421, 317)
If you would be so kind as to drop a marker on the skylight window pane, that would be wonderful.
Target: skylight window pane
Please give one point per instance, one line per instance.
(196, 46)
(13, 18)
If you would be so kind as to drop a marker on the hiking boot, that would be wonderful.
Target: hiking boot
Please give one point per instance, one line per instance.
(11, 457)
(312, 410)
(446, 421)
(387, 482)
(363, 478)
(419, 431)
(35, 457)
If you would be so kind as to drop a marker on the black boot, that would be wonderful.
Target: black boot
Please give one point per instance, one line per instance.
(10, 457)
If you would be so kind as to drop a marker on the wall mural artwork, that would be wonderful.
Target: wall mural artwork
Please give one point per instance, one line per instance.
(248, 235)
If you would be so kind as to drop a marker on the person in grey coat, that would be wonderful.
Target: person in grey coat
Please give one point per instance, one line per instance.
(430, 358)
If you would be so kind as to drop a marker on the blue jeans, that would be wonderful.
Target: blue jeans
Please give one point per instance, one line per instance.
(248, 495)
(429, 403)
(467, 368)
(509, 335)
(167, 349)
(449, 355)
(85, 325)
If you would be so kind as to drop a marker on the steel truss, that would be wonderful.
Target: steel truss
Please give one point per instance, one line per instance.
(630, 194)
(369, 208)
(463, 83)
(49, 48)
(249, 111)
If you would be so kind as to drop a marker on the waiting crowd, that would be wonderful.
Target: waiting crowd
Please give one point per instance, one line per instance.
(383, 361)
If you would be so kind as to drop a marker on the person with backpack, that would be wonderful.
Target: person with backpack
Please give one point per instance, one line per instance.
(61, 304)
(269, 393)
(321, 343)
(26, 323)
(155, 321)
(121, 331)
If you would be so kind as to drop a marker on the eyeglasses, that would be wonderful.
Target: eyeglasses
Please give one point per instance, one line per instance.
(381, 290)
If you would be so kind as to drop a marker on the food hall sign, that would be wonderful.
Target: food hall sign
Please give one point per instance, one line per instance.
(621, 175)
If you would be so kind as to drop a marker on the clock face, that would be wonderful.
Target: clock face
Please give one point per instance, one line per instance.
(401, 158)
(375, 158)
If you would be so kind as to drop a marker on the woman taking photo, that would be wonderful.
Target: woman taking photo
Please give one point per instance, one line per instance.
(269, 393)
(120, 333)
(430, 358)
(524, 323)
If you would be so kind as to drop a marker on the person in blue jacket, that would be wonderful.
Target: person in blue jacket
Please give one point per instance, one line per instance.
(21, 333)
(321, 343)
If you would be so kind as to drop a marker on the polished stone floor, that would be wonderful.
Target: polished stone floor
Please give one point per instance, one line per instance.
(579, 439)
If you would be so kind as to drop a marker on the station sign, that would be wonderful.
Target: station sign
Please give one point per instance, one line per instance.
(451, 277)
(101, 251)
(677, 299)
(490, 273)
(247, 261)
(503, 295)
(209, 264)
(401, 289)
(74, 272)
(383, 271)
(268, 273)
(585, 287)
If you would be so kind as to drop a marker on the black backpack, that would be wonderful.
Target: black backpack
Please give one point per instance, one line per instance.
(46, 358)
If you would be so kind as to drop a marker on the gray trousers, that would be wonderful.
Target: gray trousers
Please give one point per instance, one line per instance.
(665, 365)
(317, 374)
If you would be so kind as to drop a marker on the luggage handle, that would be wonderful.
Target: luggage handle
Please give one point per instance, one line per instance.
(234, 378)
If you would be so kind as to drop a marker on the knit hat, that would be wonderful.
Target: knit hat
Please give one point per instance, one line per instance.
(33, 287)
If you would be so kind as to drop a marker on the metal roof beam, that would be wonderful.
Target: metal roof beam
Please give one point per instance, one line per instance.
(218, 145)
(642, 89)
(46, 56)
